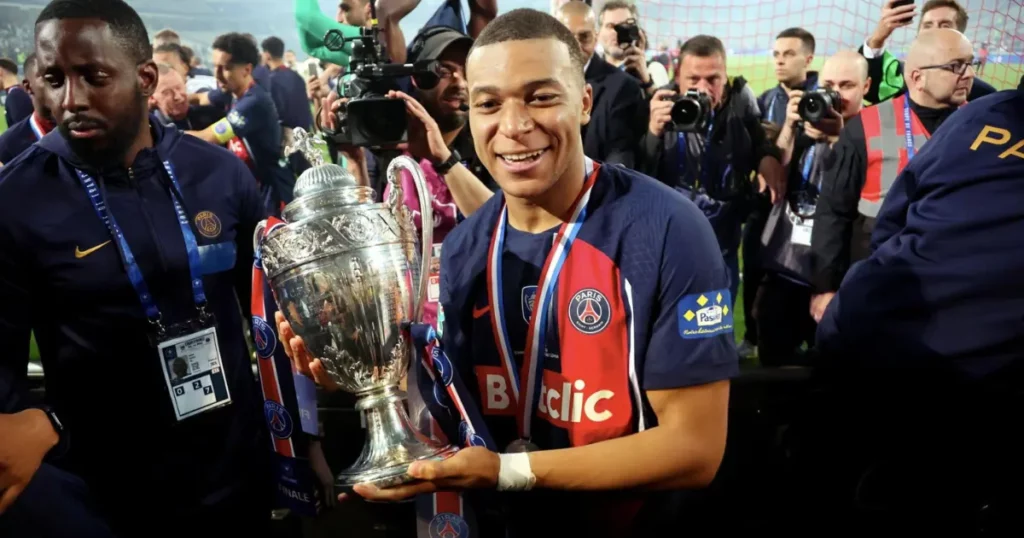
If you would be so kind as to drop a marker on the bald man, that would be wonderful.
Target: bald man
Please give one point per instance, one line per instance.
(619, 115)
(783, 320)
(874, 148)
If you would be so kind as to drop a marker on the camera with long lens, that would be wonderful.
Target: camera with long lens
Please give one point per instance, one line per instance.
(815, 106)
(369, 118)
(691, 112)
(627, 33)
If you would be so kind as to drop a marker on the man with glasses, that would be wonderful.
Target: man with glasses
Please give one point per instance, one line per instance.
(874, 148)
(619, 111)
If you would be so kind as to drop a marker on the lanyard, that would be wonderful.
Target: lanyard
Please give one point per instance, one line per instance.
(128, 259)
(808, 164)
(33, 122)
(775, 95)
(683, 149)
(907, 129)
(526, 393)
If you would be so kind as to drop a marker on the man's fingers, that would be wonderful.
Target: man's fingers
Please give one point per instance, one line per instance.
(321, 376)
(9, 496)
(397, 493)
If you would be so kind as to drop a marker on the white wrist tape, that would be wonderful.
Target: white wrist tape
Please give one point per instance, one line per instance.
(515, 473)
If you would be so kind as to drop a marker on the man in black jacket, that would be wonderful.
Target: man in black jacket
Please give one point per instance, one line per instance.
(716, 166)
(616, 122)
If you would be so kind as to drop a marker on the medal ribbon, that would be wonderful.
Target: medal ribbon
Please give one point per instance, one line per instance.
(525, 383)
(128, 259)
(908, 131)
(37, 128)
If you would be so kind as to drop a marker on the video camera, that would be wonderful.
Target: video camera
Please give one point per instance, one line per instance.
(369, 118)
(691, 112)
(814, 106)
(627, 33)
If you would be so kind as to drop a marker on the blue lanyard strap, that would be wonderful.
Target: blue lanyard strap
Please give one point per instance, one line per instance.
(908, 129)
(128, 259)
(683, 150)
(808, 164)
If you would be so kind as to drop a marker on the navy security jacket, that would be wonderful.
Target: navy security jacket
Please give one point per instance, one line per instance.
(942, 288)
(103, 378)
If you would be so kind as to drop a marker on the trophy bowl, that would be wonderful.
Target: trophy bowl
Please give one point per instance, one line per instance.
(347, 276)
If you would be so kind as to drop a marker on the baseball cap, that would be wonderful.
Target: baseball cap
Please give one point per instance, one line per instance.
(432, 41)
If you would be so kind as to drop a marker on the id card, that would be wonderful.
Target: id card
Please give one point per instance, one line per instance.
(802, 232)
(194, 373)
(434, 280)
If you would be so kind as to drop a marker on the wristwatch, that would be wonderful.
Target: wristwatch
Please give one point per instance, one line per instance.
(58, 427)
(648, 84)
(443, 168)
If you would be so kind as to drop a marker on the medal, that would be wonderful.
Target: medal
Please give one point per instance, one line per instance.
(521, 445)
(525, 382)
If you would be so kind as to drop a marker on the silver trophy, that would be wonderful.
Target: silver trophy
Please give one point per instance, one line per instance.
(346, 274)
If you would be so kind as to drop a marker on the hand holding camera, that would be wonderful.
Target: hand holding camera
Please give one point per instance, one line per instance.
(895, 14)
(821, 110)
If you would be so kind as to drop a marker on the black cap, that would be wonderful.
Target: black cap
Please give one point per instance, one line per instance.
(437, 39)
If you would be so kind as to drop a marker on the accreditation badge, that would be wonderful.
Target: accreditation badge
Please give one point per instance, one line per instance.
(434, 280)
(193, 369)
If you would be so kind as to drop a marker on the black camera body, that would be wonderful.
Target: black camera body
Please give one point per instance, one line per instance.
(691, 112)
(627, 33)
(369, 118)
(814, 106)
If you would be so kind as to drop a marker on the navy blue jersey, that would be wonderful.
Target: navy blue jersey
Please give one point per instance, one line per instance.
(252, 132)
(641, 304)
(62, 277)
(289, 92)
(942, 287)
(16, 139)
(17, 105)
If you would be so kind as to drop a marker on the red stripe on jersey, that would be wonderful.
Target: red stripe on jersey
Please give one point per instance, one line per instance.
(594, 346)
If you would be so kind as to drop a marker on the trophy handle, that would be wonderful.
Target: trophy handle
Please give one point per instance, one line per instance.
(426, 219)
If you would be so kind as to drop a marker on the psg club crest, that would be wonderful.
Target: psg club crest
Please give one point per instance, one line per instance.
(266, 340)
(278, 419)
(446, 525)
(529, 297)
(208, 224)
(589, 311)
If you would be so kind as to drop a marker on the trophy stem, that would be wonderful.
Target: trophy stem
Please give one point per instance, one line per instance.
(392, 443)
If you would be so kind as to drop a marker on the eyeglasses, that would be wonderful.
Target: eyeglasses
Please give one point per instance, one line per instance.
(957, 67)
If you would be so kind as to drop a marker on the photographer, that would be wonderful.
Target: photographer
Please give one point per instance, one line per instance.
(939, 78)
(617, 117)
(812, 125)
(709, 143)
(622, 43)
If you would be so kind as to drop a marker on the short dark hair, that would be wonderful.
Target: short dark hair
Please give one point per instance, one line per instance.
(241, 47)
(804, 36)
(524, 23)
(30, 64)
(125, 23)
(274, 47)
(961, 13)
(167, 35)
(702, 46)
(612, 5)
(8, 65)
(174, 48)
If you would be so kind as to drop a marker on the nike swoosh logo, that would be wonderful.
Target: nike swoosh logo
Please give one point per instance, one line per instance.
(481, 312)
(79, 254)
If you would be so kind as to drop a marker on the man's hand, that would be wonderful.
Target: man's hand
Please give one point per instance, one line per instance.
(661, 111)
(315, 89)
(301, 358)
(819, 303)
(774, 175)
(793, 107)
(827, 128)
(27, 437)
(426, 141)
(470, 468)
(636, 63)
(890, 20)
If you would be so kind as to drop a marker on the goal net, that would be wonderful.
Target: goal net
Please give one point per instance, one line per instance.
(748, 29)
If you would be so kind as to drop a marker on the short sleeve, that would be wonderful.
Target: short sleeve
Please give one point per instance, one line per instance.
(692, 339)
(247, 117)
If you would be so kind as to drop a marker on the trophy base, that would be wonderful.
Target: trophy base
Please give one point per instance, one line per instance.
(392, 443)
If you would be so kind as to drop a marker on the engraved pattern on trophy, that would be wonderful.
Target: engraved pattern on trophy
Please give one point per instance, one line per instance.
(347, 275)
